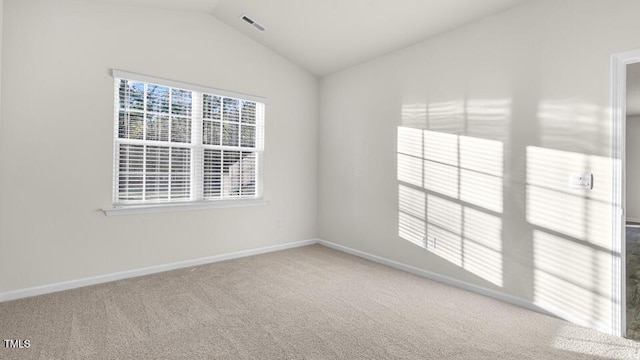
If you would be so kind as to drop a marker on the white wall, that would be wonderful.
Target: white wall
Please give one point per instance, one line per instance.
(57, 135)
(633, 167)
(470, 137)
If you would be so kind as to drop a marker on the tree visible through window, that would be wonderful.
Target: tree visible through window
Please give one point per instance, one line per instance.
(175, 144)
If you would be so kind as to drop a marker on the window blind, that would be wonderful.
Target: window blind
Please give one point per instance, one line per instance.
(176, 142)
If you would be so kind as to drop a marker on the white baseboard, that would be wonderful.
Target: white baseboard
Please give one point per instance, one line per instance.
(73, 284)
(635, 220)
(439, 278)
(527, 304)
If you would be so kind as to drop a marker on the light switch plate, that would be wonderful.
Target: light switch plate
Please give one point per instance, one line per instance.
(581, 181)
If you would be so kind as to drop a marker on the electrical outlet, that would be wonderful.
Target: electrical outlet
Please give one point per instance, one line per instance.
(280, 222)
(431, 241)
(581, 181)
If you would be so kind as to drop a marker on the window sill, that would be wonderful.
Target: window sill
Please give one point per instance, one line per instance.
(167, 207)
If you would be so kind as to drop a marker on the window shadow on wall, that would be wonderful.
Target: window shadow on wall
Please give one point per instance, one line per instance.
(450, 192)
(452, 181)
(571, 235)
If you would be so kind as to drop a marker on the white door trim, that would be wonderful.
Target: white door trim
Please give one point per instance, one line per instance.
(619, 64)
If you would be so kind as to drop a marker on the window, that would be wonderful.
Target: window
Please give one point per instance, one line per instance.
(181, 143)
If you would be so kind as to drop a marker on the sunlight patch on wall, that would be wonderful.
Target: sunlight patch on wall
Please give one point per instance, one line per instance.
(410, 156)
(450, 200)
(448, 246)
(465, 236)
(444, 224)
(410, 141)
(571, 123)
(444, 214)
(488, 118)
(483, 245)
(481, 167)
(572, 234)
(441, 178)
(463, 167)
(410, 169)
(411, 229)
(411, 224)
(414, 116)
(551, 204)
(571, 278)
(480, 118)
(481, 189)
(481, 155)
(411, 201)
(557, 211)
(447, 116)
(441, 147)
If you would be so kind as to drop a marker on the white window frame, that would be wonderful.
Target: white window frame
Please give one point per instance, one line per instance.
(197, 165)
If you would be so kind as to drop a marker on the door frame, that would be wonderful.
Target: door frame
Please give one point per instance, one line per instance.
(618, 95)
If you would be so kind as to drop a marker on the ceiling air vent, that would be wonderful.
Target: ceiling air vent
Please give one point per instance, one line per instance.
(253, 23)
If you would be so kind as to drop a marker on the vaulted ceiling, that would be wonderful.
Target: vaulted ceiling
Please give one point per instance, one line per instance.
(324, 36)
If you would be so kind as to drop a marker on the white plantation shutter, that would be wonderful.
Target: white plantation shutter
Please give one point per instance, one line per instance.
(177, 142)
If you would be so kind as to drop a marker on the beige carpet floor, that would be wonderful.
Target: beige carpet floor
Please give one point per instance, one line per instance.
(304, 303)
